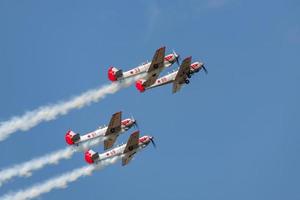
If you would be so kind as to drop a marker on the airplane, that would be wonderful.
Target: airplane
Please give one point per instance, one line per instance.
(110, 132)
(153, 68)
(178, 78)
(126, 151)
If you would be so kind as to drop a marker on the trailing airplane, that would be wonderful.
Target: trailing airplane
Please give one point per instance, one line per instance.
(126, 151)
(178, 78)
(110, 132)
(151, 69)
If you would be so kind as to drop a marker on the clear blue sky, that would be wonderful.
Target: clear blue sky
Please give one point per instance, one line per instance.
(232, 134)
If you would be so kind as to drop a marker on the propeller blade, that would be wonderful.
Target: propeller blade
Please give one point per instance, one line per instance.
(136, 124)
(205, 69)
(153, 143)
(177, 60)
(177, 57)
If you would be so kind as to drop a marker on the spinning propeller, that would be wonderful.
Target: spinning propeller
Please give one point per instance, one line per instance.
(177, 57)
(205, 70)
(135, 124)
(152, 141)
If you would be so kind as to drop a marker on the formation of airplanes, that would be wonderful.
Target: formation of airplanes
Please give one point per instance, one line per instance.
(109, 134)
(152, 70)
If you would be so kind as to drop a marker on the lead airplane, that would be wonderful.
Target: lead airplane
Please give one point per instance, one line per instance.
(109, 133)
(126, 151)
(178, 78)
(151, 69)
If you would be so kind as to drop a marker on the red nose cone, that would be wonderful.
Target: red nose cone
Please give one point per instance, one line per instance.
(139, 86)
(111, 74)
(88, 157)
(68, 138)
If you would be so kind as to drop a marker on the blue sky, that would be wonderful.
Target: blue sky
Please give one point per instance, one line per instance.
(231, 134)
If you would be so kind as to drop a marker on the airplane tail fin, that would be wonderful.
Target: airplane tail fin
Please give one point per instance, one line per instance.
(114, 74)
(71, 137)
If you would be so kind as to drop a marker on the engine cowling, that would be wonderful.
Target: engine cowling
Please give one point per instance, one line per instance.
(139, 85)
(196, 66)
(114, 74)
(170, 58)
(71, 137)
(90, 156)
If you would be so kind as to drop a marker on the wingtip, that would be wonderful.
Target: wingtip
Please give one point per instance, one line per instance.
(118, 112)
(188, 58)
(163, 47)
(136, 132)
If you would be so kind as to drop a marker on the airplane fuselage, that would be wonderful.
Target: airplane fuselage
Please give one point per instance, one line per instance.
(169, 78)
(115, 74)
(93, 157)
(99, 133)
(145, 66)
(73, 138)
(118, 151)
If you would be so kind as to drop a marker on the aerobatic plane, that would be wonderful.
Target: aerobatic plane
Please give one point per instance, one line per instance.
(152, 69)
(178, 78)
(110, 132)
(126, 151)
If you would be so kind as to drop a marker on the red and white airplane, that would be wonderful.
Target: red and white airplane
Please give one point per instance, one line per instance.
(109, 133)
(178, 78)
(151, 69)
(126, 151)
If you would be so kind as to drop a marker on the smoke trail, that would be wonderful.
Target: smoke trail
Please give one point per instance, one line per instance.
(25, 169)
(47, 113)
(58, 182)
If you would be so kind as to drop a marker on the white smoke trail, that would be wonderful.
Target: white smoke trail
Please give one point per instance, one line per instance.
(25, 169)
(61, 181)
(50, 112)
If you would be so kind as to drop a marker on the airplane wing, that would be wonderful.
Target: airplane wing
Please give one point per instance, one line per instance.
(176, 87)
(109, 142)
(114, 124)
(156, 66)
(127, 159)
(132, 144)
(181, 75)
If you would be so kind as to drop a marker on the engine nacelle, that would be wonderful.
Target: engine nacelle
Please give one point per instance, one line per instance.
(128, 123)
(114, 74)
(71, 137)
(139, 85)
(196, 66)
(90, 156)
(171, 58)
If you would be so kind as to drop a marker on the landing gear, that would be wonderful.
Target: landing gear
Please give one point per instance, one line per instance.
(197, 70)
(187, 81)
